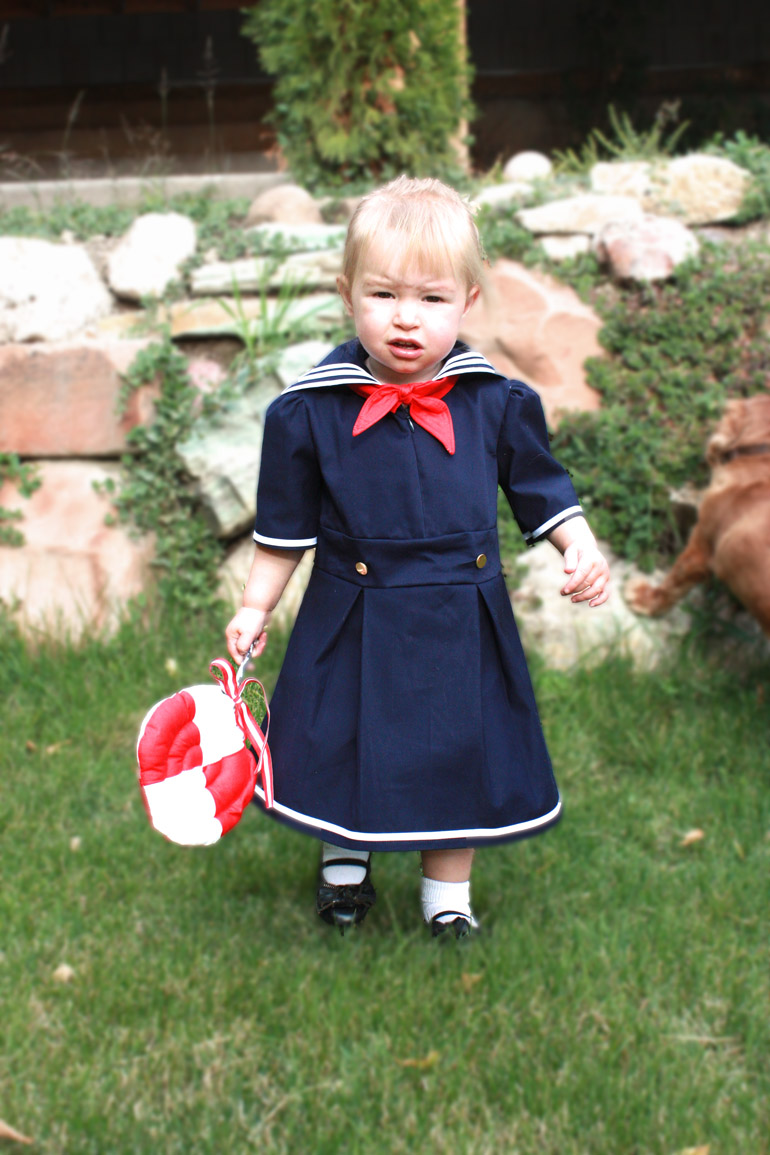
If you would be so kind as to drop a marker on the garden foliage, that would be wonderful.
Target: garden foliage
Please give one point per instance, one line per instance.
(625, 142)
(27, 481)
(156, 496)
(363, 90)
(753, 155)
(675, 353)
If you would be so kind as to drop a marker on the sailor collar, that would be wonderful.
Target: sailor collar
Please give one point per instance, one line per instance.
(461, 360)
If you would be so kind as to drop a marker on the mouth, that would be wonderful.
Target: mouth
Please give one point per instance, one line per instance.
(402, 345)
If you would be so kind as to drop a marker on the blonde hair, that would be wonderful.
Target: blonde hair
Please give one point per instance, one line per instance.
(436, 225)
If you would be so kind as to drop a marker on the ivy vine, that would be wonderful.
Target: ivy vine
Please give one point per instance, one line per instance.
(156, 495)
(27, 480)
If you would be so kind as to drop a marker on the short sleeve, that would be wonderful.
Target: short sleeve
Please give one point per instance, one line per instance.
(289, 488)
(538, 488)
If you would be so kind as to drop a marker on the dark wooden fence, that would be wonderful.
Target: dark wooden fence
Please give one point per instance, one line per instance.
(120, 83)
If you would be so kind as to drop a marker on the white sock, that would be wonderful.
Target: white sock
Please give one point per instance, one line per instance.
(449, 898)
(347, 875)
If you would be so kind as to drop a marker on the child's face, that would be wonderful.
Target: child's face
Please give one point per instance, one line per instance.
(406, 317)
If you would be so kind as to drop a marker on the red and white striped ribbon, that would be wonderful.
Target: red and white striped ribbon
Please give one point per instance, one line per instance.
(234, 689)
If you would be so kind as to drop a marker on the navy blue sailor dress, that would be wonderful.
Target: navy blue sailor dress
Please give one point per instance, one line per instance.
(404, 716)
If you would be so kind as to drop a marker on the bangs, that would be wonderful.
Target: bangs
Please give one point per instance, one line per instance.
(432, 227)
(428, 250)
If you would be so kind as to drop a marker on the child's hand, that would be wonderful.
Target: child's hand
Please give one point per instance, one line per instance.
(590, 573)
(583, 560)
(247, 626)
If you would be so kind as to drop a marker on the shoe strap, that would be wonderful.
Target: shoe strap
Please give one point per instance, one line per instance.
(362, 862)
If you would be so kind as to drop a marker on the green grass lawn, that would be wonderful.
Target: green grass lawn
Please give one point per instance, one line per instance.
(617, 1002)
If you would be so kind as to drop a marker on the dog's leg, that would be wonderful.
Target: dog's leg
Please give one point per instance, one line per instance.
(691, 567)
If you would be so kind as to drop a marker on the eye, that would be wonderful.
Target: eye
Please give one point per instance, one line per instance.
(434, 299)
(382, 293)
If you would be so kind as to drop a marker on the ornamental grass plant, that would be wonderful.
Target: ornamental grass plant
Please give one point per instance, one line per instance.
(161, 999)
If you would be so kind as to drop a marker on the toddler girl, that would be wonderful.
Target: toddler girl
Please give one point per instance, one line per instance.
(404, 717)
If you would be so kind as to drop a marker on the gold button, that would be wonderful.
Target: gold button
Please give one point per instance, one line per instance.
(361, 567)
(481, 561)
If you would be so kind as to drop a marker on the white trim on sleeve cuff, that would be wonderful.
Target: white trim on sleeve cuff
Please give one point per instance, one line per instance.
(565, 515)
(285, 542)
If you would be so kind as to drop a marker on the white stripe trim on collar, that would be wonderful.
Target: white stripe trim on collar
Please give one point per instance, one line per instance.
(347, 373)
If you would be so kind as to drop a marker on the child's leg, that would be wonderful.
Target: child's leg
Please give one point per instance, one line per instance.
(446, 889)
(447, 865)
(339, 865)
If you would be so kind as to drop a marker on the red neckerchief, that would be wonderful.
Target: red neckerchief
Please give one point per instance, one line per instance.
(423, 399)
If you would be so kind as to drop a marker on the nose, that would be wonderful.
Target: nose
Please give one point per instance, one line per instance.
(406, 314)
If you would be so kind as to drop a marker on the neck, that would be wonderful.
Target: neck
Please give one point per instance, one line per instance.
(389, 377)
(759, 450)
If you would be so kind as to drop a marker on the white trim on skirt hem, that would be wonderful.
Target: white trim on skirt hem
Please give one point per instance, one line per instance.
(420, 837)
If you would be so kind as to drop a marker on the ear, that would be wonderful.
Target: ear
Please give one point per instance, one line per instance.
(343, 288)
(472, 298)
(726, 434)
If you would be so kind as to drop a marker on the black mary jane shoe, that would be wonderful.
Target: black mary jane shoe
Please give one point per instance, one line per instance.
(461, 925)
(348, 905)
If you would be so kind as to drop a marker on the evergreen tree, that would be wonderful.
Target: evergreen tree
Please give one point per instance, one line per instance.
(364, 89)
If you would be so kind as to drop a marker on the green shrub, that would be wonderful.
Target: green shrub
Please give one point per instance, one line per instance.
(502, 236)
(363, 90)
(753, 155)
(219, 222)
(675, 353)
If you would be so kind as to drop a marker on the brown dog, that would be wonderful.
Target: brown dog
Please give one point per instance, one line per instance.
(731, 537)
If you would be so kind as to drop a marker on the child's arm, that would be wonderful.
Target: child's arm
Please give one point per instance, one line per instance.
(590, 573)
(269, 575)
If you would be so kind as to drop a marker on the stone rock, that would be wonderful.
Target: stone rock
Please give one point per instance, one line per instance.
(147, 259)
(645, 251)
(223, 453)
(235, 569)
(566, 248)
(222, 456)
(734, 234)
(288, 203)
(48, 292)
(626, 178)
(74, 573)
(527, 167)
(225, 317)
(61, 400)
(586, 213)
(297, 359)
(495, 195)
(299, 238)
(563, 633)
(314, 270)
(531, 327)
(699, 188)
